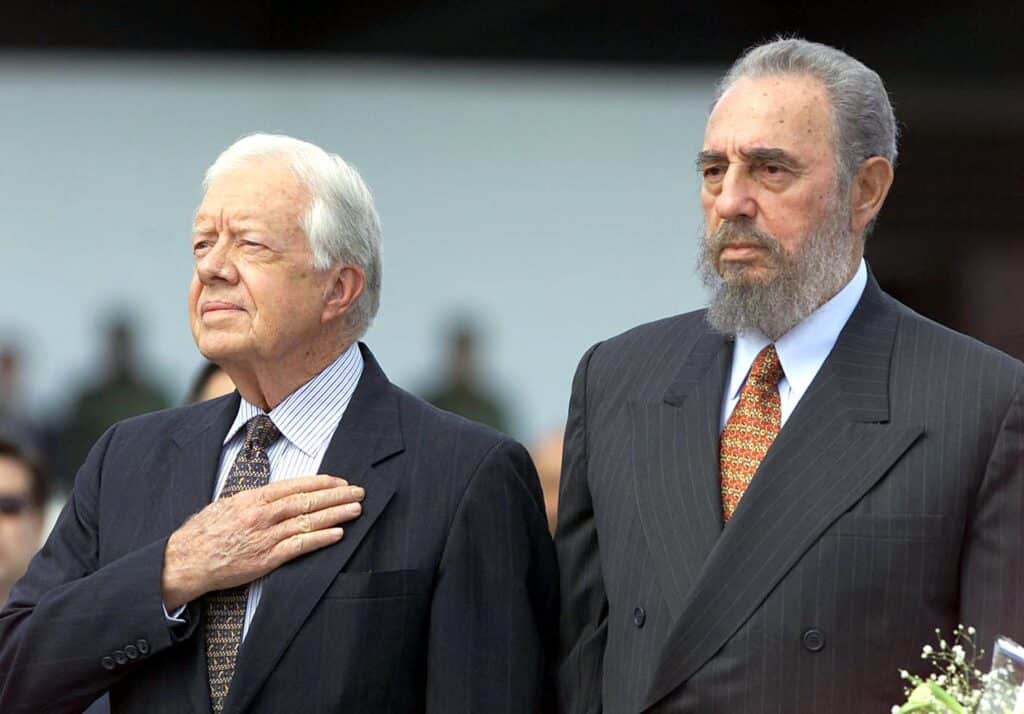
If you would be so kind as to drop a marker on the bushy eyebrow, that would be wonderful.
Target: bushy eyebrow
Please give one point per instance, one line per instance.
(704, 158)
(759, 155)
(756, 155)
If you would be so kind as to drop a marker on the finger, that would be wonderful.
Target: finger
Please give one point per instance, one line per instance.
(303, 543)
(321, 520)
(299, 484)
(311, 502)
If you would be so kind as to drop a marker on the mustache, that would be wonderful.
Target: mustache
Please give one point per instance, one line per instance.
(735, 232)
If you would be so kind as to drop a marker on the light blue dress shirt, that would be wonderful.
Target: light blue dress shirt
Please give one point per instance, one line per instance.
(801, 351)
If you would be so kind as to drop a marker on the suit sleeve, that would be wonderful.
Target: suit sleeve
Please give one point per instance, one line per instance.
(584, 603)
(992, 565)
(72, 628)
(494, 613)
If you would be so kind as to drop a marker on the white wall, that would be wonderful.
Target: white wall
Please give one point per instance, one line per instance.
(559, 206)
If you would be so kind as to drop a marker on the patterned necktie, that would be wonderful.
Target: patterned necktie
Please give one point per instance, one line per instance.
(751, 428)
(224, 610)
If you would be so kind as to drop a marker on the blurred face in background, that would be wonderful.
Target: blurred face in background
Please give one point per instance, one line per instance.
(255, 298)
(21, 522)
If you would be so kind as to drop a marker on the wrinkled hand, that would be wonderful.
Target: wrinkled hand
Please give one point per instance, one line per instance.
(238, 539)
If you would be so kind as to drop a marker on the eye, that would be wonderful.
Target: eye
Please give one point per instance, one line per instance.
(713, 172)
(200, 247)
(773, 170)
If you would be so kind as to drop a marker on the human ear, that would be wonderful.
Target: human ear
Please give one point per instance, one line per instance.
(345, 287)
(868, 190)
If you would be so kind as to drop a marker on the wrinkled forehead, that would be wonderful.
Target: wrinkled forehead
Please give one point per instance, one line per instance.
(264, 188)
(772, 111)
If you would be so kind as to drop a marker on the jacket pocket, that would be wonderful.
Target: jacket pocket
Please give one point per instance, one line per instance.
(891, 526)
(380, 584)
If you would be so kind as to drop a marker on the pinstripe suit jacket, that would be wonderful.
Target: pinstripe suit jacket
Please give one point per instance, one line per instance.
(441, 598)
(891, 503)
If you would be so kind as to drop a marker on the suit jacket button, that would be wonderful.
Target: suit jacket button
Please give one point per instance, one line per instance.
(131, 651)
(120, 657)
(108, 663)
(639, 617)
(143, 646)
(814, 639)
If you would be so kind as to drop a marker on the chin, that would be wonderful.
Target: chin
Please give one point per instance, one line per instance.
(217, 348)
(744, 274)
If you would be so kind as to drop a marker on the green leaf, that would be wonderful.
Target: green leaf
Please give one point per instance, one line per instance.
(945, 698)
(916, 707)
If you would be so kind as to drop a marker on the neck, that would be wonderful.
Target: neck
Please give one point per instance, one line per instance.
(5, 591)
(266, 383)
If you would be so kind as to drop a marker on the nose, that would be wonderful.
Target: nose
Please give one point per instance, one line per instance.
(216, 264)
(736, 198)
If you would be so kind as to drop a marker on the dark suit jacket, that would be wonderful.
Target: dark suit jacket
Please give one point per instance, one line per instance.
(441, 597)
(890, 504)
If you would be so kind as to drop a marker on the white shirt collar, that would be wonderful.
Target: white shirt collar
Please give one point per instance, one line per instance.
(804, 348)
(312, 412)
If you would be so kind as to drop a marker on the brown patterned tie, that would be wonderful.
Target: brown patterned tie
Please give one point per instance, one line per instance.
(751, 428)
(224, 610)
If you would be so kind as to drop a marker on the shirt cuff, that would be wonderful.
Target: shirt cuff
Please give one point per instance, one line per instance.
(176, 616)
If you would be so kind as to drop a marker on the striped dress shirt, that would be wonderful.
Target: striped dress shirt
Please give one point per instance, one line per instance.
(307, 419)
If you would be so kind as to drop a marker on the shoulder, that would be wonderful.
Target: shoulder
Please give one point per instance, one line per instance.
(942, 351)
(442, 432)
(653, 349)
(461, 455)
(143, 432)
(656, 335)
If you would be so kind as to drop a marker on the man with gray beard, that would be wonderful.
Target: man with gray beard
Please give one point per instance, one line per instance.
(770, 505)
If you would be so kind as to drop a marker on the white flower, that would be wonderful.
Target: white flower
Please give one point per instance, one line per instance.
(925, 651)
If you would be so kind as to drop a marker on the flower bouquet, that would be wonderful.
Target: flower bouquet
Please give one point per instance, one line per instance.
(958, 686)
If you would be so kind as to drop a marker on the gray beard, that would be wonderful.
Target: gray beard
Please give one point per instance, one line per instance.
(803, 280)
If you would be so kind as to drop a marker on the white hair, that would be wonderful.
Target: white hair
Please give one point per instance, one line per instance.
(862, 115)
(341, 223)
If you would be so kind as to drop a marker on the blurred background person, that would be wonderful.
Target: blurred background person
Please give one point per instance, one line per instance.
(547, 457)
(15, 422)
(462, 389)
(24, 490)
(122, 390)
(210, 382)
(531, 157)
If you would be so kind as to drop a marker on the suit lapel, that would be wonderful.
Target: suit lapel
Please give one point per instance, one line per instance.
(193, 473)
(369, 432)
(834, 447)
(675, 468)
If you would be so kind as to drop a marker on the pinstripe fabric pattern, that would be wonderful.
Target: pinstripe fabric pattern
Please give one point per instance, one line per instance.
(441, 598)
(224, 610)
(307, 419)
(891, 503)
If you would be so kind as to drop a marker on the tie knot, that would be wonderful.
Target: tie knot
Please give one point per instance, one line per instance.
(260, 432)
(767, 370)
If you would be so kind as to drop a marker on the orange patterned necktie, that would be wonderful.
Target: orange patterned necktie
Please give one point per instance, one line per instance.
(751, 428)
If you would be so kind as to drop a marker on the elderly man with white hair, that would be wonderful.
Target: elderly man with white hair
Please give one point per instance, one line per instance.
(319, 541)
